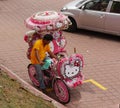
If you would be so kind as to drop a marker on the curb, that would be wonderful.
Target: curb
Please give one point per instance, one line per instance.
(30, 88)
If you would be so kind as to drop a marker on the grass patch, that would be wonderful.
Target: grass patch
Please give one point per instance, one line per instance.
(12, 95)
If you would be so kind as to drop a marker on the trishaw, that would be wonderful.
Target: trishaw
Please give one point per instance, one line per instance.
(65, 73)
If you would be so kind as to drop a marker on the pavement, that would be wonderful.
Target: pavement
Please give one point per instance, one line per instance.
(102, 63)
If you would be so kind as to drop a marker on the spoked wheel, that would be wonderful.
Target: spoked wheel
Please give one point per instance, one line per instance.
(33, 75)
(61, 91)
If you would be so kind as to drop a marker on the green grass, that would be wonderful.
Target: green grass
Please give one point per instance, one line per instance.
(12, 95)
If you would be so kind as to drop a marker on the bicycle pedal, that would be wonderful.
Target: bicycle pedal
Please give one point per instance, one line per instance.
(49, 89)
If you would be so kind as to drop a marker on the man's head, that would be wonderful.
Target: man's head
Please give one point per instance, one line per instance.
(47, 38)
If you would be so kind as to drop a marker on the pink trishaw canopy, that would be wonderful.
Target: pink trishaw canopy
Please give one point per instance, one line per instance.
(47, 21)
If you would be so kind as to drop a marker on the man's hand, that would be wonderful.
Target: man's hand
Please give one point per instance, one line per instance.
(52, 55)
(41, 62)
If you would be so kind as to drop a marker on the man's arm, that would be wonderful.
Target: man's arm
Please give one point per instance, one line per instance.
(37, 57)
(52, 55)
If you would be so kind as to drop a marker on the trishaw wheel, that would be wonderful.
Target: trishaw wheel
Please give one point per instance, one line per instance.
(61, 91)
(32, 75)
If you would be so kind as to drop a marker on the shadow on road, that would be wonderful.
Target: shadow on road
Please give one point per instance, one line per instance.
(93, 34)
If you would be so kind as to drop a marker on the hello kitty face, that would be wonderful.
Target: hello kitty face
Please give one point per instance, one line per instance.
(56, 34)
(59, 24)
(61, 42)
(71, 70)
(71, 66)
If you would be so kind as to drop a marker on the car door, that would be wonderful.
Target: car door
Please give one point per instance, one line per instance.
(112, 24)
(93, 15)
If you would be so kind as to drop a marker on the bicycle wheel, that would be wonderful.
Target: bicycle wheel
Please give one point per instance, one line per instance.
(61, 91)
(33, 75)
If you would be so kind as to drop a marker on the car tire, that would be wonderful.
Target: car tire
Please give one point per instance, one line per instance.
(73, 26)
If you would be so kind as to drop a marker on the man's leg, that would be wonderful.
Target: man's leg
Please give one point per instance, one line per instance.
(40, 76)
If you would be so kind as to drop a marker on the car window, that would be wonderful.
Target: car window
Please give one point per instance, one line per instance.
(115, 8)
(97, 5)
(78, 4)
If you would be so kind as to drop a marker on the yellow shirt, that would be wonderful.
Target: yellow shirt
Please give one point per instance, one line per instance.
(42, 51)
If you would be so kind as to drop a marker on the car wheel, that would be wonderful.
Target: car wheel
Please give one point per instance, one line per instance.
(73, 26)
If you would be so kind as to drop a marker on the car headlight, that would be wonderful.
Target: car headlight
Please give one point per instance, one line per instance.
(63, 9)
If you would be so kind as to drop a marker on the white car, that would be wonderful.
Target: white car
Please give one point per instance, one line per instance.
(96, 15)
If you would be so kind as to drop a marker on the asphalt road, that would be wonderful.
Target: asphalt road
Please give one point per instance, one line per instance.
(101, 53)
